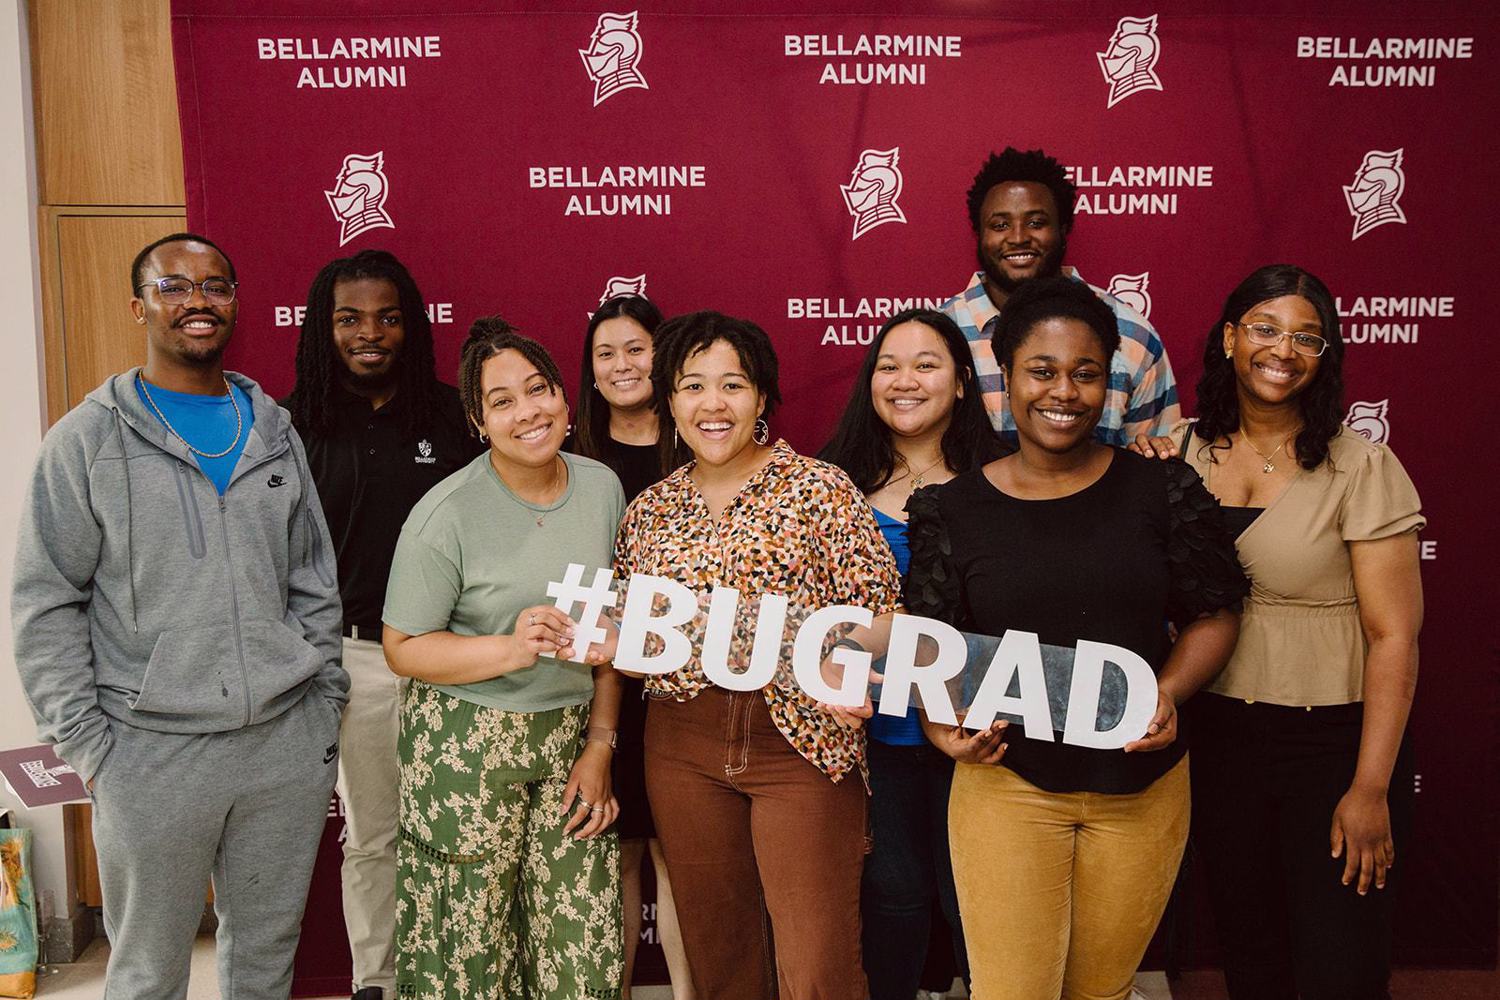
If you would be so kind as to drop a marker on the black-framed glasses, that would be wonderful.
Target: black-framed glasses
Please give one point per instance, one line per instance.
(175, 291)
(1267, 335)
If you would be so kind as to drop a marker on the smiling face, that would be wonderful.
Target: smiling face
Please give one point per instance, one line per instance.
(1020, 237)
(715, 404)
(368, 330)
(621, 358)
(915, 383)
(526, 419)
(193, 333)
(1056, 384)
(1276, 374)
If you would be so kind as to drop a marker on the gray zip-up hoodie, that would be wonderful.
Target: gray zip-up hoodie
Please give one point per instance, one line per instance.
(143, 598)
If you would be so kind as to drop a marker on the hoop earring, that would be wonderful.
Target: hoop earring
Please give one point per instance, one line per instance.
(484, 437)
(762, 432)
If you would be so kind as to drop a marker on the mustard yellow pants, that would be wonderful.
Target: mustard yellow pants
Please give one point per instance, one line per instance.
(1061, 892)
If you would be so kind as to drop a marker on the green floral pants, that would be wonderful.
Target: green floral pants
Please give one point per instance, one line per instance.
(492, 899)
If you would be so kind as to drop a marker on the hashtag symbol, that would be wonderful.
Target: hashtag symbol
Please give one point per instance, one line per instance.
(595, 598)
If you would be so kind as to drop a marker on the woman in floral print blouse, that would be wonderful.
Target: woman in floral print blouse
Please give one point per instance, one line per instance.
(759, 796)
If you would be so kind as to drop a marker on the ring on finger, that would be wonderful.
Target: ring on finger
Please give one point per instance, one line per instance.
(585, 803)
(596, 809)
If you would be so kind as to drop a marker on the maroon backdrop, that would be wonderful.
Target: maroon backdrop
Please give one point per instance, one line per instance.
(525, 161)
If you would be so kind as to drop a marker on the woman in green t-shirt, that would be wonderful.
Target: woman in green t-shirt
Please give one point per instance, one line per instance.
(508, 873)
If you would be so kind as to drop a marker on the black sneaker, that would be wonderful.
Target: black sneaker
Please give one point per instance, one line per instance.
(369, 993)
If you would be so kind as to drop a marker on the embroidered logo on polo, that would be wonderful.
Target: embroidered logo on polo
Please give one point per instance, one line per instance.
(424, 453)
(1129, 64)
(358, 196)
(1369, 421)
(1131, 289)
(612, 56)
(618, 286)
(1374, 197)
(870, 196)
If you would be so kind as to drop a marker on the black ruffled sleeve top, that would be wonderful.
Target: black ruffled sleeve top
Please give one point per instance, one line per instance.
(1143, 545)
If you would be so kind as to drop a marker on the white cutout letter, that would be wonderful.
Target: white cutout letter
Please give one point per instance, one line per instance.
(637, 622)
(807, 656)
(902, 673)
(770, 622)
(1083, 696)
(1019, 654)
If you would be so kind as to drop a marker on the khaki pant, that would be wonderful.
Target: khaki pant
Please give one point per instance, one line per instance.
(369, 787)
(1061, 892)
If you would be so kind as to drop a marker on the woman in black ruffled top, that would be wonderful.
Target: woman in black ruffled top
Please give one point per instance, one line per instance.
(1064, 856)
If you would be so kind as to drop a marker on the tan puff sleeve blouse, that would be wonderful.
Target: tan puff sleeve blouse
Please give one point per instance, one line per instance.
(1300, 637)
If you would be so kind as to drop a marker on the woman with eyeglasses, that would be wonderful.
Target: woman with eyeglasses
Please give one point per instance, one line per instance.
(1302, 777)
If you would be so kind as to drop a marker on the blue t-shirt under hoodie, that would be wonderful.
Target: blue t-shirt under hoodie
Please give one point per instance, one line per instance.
(207, 423)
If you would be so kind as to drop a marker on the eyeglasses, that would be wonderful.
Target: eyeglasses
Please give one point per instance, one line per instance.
(1267, 335)
(176, 291)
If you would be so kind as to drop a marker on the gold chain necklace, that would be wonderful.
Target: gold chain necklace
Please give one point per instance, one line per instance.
(916, 480)
(1269, 467)
(239, 420)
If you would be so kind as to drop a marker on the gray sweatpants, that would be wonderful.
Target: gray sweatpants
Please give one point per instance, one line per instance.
(246, 807)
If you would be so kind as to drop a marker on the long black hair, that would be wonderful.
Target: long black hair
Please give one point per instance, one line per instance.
(861, 444)
(592, 428)
(1322, 402)
(319, 367)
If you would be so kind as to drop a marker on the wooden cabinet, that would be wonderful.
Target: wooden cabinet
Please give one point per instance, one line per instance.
(109, 173)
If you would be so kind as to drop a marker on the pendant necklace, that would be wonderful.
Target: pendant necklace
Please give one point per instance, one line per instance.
(1270, 466)
(916, 480)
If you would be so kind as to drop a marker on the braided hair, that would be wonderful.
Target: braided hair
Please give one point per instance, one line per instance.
(1322, 402)
(319, 367)
(488, 337)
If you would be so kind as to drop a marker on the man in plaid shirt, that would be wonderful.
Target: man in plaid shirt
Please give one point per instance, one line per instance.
(1021, 208)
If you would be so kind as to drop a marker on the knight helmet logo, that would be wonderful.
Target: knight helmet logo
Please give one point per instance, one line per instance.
(1377, 188)
(1129, 62)
(870, 196)
(618, 286)
(1131, 290)
(358, 196)
(1368, 420)
(611, 58)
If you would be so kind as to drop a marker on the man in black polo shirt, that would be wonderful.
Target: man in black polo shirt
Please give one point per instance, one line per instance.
(381, 431)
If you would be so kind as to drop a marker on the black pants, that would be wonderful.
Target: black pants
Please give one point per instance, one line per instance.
(907, 868)
(1266, 780)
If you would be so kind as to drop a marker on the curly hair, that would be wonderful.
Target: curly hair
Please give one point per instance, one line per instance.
(1034, 166)
(681, 337)
(319, 367)
(592, 428)
(1322, 402)
(861, 444)
(488, 337)
(1052, 298)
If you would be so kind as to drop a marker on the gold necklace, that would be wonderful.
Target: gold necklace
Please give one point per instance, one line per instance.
(1269, 467)
(916, 480)
(239, 419)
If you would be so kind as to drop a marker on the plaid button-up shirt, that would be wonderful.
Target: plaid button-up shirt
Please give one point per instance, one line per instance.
(1142, 393)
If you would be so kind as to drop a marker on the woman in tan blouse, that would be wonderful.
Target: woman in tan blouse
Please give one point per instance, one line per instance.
(758, 796)
(1301, 783)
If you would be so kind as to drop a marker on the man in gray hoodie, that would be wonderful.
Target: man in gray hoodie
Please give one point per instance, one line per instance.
(176, 619)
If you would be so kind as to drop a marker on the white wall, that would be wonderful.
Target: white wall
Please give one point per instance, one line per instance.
(22, 411)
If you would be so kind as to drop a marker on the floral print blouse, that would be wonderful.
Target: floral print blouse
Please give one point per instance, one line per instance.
(799, 528)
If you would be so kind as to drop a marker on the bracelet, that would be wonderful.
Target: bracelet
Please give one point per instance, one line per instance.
(606, 736)
(848, 643)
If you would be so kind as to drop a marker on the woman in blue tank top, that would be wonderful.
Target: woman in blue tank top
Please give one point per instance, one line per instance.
(915, 418)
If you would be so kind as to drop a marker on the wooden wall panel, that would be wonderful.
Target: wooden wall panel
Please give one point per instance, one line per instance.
(105, 103)
(90, 330)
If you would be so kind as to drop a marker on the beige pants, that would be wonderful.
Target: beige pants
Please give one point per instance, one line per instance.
(369, 787)
(1061, 892)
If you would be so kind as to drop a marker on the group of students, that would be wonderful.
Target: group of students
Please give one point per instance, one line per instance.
(1013, 461)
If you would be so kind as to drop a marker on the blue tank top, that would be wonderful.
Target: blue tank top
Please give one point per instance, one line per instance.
(905, 731)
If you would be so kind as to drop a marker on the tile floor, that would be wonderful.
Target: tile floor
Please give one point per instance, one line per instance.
(83, 980)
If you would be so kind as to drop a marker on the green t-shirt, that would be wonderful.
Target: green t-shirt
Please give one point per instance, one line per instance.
(472, 555)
